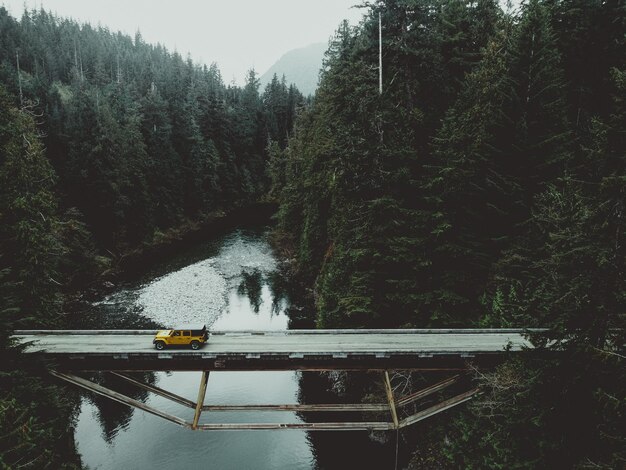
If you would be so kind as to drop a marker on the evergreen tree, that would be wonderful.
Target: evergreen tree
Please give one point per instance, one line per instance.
(504, 140)
(569, 274)
(32, 416)
(589, 34)
(141, 138)
(541, 134)
(164, 166)
(566, 409)
(28, 216)
(472, 208)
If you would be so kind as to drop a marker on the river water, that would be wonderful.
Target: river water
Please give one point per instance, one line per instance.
(229, 283)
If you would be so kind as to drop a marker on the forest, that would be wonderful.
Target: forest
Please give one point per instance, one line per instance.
(107, 145)
(484, 187)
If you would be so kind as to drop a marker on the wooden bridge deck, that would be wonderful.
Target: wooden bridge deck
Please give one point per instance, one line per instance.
(284, 350)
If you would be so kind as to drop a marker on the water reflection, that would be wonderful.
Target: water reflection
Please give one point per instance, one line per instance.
(252, 285)
(280, 290)
(342, 450)
(113, 416)
(230, 285)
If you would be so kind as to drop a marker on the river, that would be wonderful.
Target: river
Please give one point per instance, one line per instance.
(229, 283)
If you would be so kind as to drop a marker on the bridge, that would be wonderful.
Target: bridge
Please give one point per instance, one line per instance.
(120, 352)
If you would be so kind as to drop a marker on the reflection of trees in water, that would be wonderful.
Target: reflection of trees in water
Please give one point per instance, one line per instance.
(362, 449)
(354, 449)
(286, 294)
(280, 289)
(300, 318)
(251, 285)
(112, 415)
(289, 294)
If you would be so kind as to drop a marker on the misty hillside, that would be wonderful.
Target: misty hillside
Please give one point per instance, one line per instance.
(300, 66)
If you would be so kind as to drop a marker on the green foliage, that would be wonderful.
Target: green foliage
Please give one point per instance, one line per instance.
(34, 421)
(281, 103)
(33, 418)
(538, 413)
(141, 139)
(572, 279)
(568, 276)
(485, 186)
(29, 244)
(470, 189)
(568, 273)
(353, 195)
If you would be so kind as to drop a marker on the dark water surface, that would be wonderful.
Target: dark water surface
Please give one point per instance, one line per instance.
(230, 283)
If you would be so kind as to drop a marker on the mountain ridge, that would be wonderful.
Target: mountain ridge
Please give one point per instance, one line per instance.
(300, 66)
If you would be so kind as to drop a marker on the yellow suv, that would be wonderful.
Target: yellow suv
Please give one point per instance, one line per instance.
(184, 335)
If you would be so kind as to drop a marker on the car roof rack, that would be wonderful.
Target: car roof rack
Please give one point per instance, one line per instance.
(190, 326)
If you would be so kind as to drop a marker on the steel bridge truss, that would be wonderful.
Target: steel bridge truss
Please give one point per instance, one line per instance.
(392, 406)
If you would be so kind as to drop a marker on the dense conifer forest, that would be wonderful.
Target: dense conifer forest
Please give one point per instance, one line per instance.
(484, 187)
(108, 144)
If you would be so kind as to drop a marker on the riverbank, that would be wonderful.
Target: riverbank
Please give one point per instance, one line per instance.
(127, 267)
(113, 268)
(172, 241)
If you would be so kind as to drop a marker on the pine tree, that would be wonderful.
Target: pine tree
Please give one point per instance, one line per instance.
(470, 193)
(567, 277)
(540, 136)
(28, 218)
(502, 142)
(164, 165)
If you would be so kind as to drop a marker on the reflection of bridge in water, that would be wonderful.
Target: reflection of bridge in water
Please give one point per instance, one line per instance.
(122, 351)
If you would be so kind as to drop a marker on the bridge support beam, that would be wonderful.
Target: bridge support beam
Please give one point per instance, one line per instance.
(156, 390)
(439, 407)
(201, 395)
(304, 408)
(392, 405)
(118, 397)
(413, 397)
(356, 426)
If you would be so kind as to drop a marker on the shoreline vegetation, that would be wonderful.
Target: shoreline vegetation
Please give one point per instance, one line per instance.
(171, 241)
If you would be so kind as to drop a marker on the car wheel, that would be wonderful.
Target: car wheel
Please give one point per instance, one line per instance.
(195, 345)
(159, 345)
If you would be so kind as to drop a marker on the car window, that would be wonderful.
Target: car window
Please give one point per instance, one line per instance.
(186, 333)
(176, 333)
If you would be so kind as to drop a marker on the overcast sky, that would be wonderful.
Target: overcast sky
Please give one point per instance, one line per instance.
(237, 34)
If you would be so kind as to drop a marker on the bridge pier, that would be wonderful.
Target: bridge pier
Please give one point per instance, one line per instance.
(392, 405)
(201, 396)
